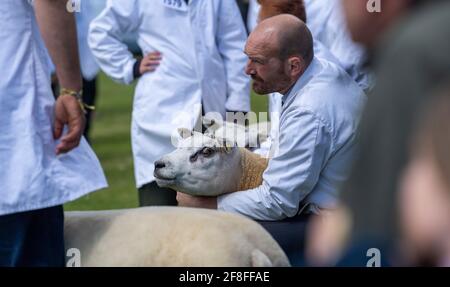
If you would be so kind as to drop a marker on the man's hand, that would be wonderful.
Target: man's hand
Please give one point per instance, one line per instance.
(68, 112)
(150, 62)
(186, 200)
(58, 30)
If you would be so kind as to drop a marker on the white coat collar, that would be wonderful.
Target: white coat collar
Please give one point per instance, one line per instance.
(302, 81)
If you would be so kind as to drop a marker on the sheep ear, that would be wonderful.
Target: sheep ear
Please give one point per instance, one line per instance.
(185, 133)
(209, 127)
(208, 122)
(211, 122)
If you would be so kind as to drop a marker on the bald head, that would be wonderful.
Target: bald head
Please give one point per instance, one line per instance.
(287, 35)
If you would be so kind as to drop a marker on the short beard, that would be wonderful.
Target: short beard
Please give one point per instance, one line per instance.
(282, 83)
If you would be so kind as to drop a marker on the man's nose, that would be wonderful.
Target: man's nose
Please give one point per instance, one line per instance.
(160, 164)
(249, 70)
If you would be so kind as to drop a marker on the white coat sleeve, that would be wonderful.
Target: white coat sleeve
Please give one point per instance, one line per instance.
(231, 37)
(105, 39)
(305, 145)
(252, 15)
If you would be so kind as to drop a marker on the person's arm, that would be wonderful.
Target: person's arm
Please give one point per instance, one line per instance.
(58, 30)
(120, 17)
(231, 37)
(305, 145)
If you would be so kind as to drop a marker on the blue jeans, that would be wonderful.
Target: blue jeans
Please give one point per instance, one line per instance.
(33, 238)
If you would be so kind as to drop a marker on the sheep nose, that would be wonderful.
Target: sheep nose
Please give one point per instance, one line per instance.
(160, 164)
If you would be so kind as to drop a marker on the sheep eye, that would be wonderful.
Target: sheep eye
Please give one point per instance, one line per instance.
(193, 157)
(207, 152)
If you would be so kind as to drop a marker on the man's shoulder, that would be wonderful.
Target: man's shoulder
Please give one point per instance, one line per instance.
(331, 96)
(329, 85)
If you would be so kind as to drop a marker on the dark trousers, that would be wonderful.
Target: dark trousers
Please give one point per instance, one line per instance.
(89, 96)
(151, 194)
(290, 235)
(33, 238)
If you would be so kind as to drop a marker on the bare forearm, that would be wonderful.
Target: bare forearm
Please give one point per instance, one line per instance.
(58, 30)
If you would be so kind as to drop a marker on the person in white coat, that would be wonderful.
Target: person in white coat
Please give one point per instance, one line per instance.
(193, 61)
(45, 162)
(267, 9)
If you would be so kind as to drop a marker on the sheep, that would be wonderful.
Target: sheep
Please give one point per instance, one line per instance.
(171, 237)
(209, 165)
(179, 236)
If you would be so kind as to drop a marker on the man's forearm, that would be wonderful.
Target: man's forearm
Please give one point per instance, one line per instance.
(256, 203)
(58, 30)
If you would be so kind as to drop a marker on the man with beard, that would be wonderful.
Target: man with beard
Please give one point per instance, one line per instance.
(321, 107)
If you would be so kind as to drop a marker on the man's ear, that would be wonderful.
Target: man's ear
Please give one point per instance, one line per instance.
(296, 66)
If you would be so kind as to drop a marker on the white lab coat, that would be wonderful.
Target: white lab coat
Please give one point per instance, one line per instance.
(202, 62)
(317, 141)
(269, 147)
(31, 175)
(252, 15)
(89, 9)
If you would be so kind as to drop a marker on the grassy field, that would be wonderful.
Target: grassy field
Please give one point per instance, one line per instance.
(110, 137)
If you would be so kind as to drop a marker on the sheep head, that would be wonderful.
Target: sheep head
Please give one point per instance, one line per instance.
(201, 165)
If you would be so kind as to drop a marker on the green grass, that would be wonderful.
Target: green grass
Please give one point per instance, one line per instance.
(110, 139)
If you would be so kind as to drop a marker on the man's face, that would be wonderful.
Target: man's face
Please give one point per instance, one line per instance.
(265, 68)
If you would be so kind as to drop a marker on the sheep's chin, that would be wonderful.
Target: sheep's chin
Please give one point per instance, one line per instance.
(165, 182)
(197, 192)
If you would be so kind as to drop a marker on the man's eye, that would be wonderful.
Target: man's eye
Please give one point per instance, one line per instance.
(207, 152)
